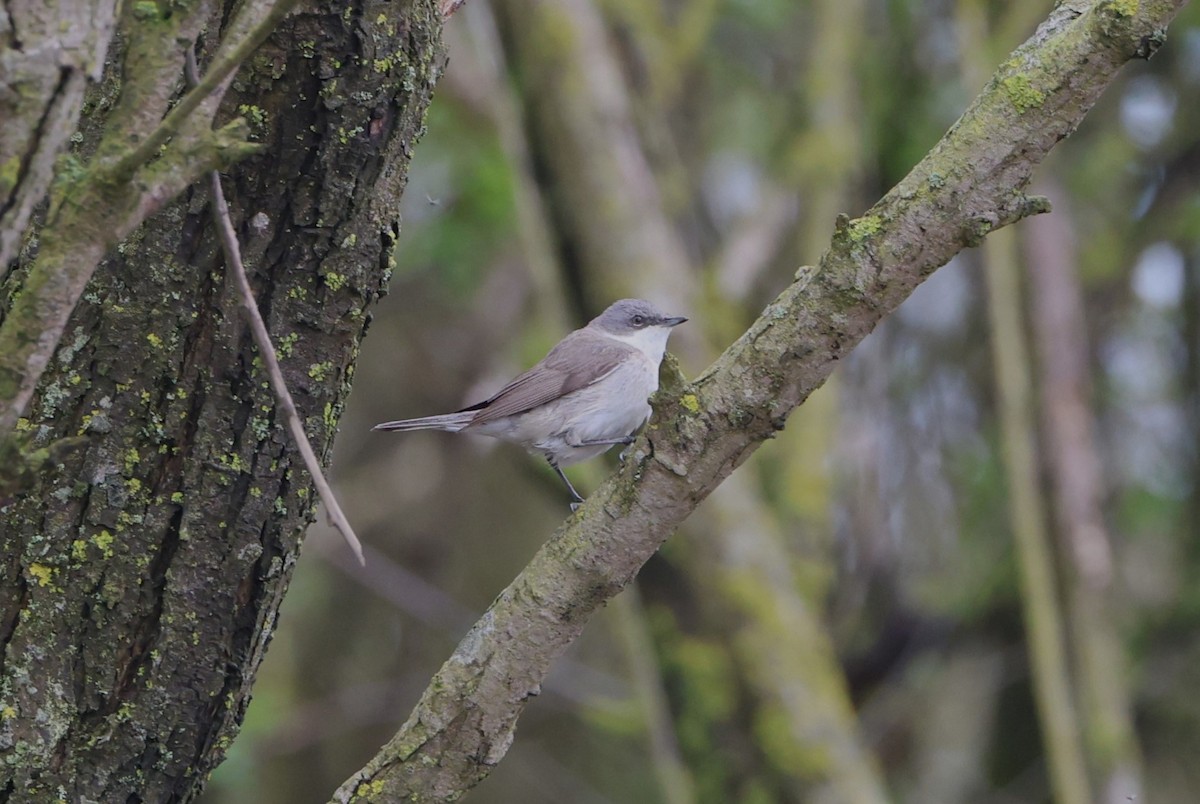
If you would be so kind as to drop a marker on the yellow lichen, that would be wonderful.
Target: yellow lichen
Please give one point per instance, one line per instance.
(42, 573)
(369, 790)
(862, 228)
(319, 371)
(1022, 93)
(104, 540)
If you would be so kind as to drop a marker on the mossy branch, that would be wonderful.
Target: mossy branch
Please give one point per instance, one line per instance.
(183, 162)
(971, 183)
(228, 60)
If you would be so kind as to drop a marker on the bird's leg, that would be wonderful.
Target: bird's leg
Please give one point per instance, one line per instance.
(626, 441)
(606, 442)
(577, 501)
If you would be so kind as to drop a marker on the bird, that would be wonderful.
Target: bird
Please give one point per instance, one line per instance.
(588, 394)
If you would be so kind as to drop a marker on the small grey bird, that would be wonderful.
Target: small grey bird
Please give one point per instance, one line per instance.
(588, 394)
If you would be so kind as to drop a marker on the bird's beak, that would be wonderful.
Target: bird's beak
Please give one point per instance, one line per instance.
(674, 321)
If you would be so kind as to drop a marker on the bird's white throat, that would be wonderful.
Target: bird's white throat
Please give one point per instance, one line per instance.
(651, 341)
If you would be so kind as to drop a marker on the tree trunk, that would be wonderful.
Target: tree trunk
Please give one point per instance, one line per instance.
(140, 583)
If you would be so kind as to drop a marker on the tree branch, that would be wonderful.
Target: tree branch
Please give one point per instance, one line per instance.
(283, 397)
(970, 184)
(612, 191)
(228, 59)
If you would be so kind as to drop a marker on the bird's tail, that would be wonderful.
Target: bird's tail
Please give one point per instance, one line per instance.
(450, 422)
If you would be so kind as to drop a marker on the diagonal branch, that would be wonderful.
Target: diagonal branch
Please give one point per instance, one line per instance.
(283, 397)
(970, 184)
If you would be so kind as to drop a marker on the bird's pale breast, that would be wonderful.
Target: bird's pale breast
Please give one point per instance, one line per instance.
(606, 410)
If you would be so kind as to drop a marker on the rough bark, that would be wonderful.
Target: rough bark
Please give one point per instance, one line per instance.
(140, 583)
(94, 205)
(970, 184)
(44, 70)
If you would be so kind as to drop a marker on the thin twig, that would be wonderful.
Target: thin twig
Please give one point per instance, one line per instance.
(448, 7)
(233, 258)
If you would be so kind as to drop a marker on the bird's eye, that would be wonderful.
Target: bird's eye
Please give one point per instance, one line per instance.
(639, 320)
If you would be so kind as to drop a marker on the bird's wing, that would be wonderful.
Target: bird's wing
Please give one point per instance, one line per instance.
(558, 374)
